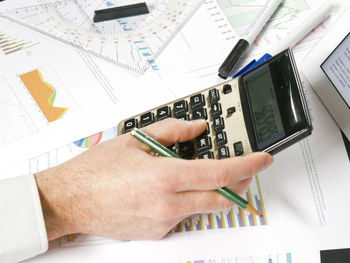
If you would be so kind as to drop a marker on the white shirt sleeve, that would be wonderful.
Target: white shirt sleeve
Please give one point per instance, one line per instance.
(22, 226)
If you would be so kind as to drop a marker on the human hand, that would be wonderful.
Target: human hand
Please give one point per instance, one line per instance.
(118, 190)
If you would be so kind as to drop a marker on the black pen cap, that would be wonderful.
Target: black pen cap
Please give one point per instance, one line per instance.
(230, 62)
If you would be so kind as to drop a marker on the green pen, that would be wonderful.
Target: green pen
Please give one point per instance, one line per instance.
(163, 151)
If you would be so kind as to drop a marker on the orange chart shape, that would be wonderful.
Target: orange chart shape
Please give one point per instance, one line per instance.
(43, 94)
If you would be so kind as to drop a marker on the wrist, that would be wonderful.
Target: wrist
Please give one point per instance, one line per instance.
(55, 203)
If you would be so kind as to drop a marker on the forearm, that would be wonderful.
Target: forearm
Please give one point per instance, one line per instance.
(56, 199)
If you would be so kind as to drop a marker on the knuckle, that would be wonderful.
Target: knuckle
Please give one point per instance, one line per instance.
(222, 178)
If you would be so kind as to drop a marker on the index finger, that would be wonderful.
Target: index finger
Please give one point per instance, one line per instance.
(187, 175)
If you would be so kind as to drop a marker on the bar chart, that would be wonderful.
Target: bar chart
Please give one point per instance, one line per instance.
(233, 218)
(10, 45)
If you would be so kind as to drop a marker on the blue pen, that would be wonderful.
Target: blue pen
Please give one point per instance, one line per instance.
(252, 64)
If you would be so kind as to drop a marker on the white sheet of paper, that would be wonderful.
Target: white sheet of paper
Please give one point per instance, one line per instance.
(299, 193)
(91, 93)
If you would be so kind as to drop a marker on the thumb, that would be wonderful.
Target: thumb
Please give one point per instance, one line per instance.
(171, 130)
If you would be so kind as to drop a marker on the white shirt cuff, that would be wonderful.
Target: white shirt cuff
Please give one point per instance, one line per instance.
(22, 226)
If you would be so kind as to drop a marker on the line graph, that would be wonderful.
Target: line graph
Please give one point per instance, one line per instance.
(242, 13)
(289, 15)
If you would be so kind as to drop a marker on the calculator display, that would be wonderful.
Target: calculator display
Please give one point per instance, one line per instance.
(273, 104)
(266, 115)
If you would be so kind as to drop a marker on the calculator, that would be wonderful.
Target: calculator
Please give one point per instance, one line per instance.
(262, 110)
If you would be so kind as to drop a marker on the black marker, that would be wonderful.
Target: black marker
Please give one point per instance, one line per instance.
(226, 69)
(120, 12)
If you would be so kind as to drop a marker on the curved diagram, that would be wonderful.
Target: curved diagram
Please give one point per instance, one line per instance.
(43, 93)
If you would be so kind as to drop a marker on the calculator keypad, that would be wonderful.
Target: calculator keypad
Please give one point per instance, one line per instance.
(220, 106)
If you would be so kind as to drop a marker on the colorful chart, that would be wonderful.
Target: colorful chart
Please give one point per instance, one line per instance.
(97, 138)
(10, 45)
(44, 95)
(89, 141)
(132, 42)
(235, 217)
(241, 14)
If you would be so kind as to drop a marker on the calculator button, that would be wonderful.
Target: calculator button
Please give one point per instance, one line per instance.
(216, 109)
(146, 119)
(224, 152)
(207, 131)
(184, 117)
(172, 148)
(180, 108)
(163, 113)
(221, 138)
(199, 114)
(186, 150)
(218, 123)
(214, 96)
(130, 124)
(231, 110)
(197, 101)
(238, 147)
(203, 143)
(206, 155)
(227, 88)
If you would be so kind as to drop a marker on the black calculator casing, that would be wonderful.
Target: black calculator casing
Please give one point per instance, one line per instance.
(291, 100)
(235, 120)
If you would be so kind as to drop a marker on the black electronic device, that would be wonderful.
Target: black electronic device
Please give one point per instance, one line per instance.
(262, 110)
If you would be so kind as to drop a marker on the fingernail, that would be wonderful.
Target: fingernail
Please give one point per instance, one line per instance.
(268, 161)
